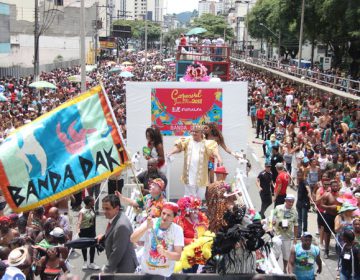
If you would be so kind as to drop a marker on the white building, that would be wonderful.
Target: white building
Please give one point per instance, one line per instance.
(237, 19)
(60, 39)
(210, 7)
(136, 9)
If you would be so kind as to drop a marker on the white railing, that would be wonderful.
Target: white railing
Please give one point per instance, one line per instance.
(270, 263)
(337, 82)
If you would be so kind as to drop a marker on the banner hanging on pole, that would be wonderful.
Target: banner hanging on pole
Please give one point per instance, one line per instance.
(176, 110)
(68, 149)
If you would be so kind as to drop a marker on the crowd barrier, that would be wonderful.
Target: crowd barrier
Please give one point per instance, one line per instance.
(189, 276)
(297, 80)
(337, 82)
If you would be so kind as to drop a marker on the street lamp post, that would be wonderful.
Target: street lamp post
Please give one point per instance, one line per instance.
(278, 36)
(247, 30)
(301, 31)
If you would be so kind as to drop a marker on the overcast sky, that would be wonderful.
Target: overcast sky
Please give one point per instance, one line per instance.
(178, 6)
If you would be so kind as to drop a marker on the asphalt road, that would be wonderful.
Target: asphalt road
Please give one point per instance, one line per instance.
(254, 153)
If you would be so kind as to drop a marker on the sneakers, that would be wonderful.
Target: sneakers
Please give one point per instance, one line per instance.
(85, 266)
(93, 266)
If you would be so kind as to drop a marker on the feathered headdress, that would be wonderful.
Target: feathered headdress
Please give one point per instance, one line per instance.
(196, 73)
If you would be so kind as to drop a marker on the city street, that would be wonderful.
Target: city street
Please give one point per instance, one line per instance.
(254, 153)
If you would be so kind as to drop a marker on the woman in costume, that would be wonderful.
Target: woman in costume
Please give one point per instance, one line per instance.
(155, 148)
(193, 222)
(212, 132)
(217, 204)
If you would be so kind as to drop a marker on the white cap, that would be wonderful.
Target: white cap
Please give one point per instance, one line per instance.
(57, 232)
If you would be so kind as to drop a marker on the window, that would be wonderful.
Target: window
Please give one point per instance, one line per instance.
(59, 2)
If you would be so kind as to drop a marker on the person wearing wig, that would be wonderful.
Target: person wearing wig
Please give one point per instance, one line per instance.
(217, 201)
(151, 203)
(212, 132)
(193, 222)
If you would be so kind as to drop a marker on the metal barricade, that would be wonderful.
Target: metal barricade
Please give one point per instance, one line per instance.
(332, 81)
(270, 260)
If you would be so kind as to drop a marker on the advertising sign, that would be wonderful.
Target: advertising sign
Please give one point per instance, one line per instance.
(176, 110)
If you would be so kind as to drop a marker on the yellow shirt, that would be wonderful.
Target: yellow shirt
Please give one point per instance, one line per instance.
(206, 151)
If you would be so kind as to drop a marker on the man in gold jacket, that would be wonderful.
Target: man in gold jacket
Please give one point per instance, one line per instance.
(197, 152)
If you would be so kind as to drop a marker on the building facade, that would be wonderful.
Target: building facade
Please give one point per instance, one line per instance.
(136, 9)
(210, 7)
(59, 29)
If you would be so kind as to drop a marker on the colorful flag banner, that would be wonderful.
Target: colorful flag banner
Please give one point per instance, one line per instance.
(176, 110)
(70, 148)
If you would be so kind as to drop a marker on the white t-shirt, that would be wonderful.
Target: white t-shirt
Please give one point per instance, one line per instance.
(152, 262)
(322, 162)
(289, 98)
(296, 159)
(194, 161)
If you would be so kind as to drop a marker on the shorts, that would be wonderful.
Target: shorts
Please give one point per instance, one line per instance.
(285, 249)
(329, 222)
(211, 165)
(320, 220)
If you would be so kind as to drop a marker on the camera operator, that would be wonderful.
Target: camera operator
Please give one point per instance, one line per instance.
(285, 222)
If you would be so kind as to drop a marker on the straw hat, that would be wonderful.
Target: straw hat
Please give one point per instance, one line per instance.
(17, 256)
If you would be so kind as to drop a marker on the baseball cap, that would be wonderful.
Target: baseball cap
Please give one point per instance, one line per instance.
(290, 196)
(267, 164)
(307, 234)
(57, 232)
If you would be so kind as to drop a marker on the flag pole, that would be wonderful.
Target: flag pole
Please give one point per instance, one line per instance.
(122, 139)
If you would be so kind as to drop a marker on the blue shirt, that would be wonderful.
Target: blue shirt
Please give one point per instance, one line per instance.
(269, 145)
(305, 262)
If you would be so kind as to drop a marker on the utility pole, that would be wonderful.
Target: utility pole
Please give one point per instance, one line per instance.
(301, 31)
(146, 31)
(279, 58)
(96, 31)
(111, 7)
(247, 30)
(36, 42)
(82, 46)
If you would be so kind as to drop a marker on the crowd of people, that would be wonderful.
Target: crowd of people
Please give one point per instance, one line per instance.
(310, 143)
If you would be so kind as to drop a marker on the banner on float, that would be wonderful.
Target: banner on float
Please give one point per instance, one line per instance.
(176, 110)
(72, 147)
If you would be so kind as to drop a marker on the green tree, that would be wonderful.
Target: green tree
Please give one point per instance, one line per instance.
(170, 37)
(138, 30)
(280, 17)
(335, 23)
(215, 26)
(340, 29)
